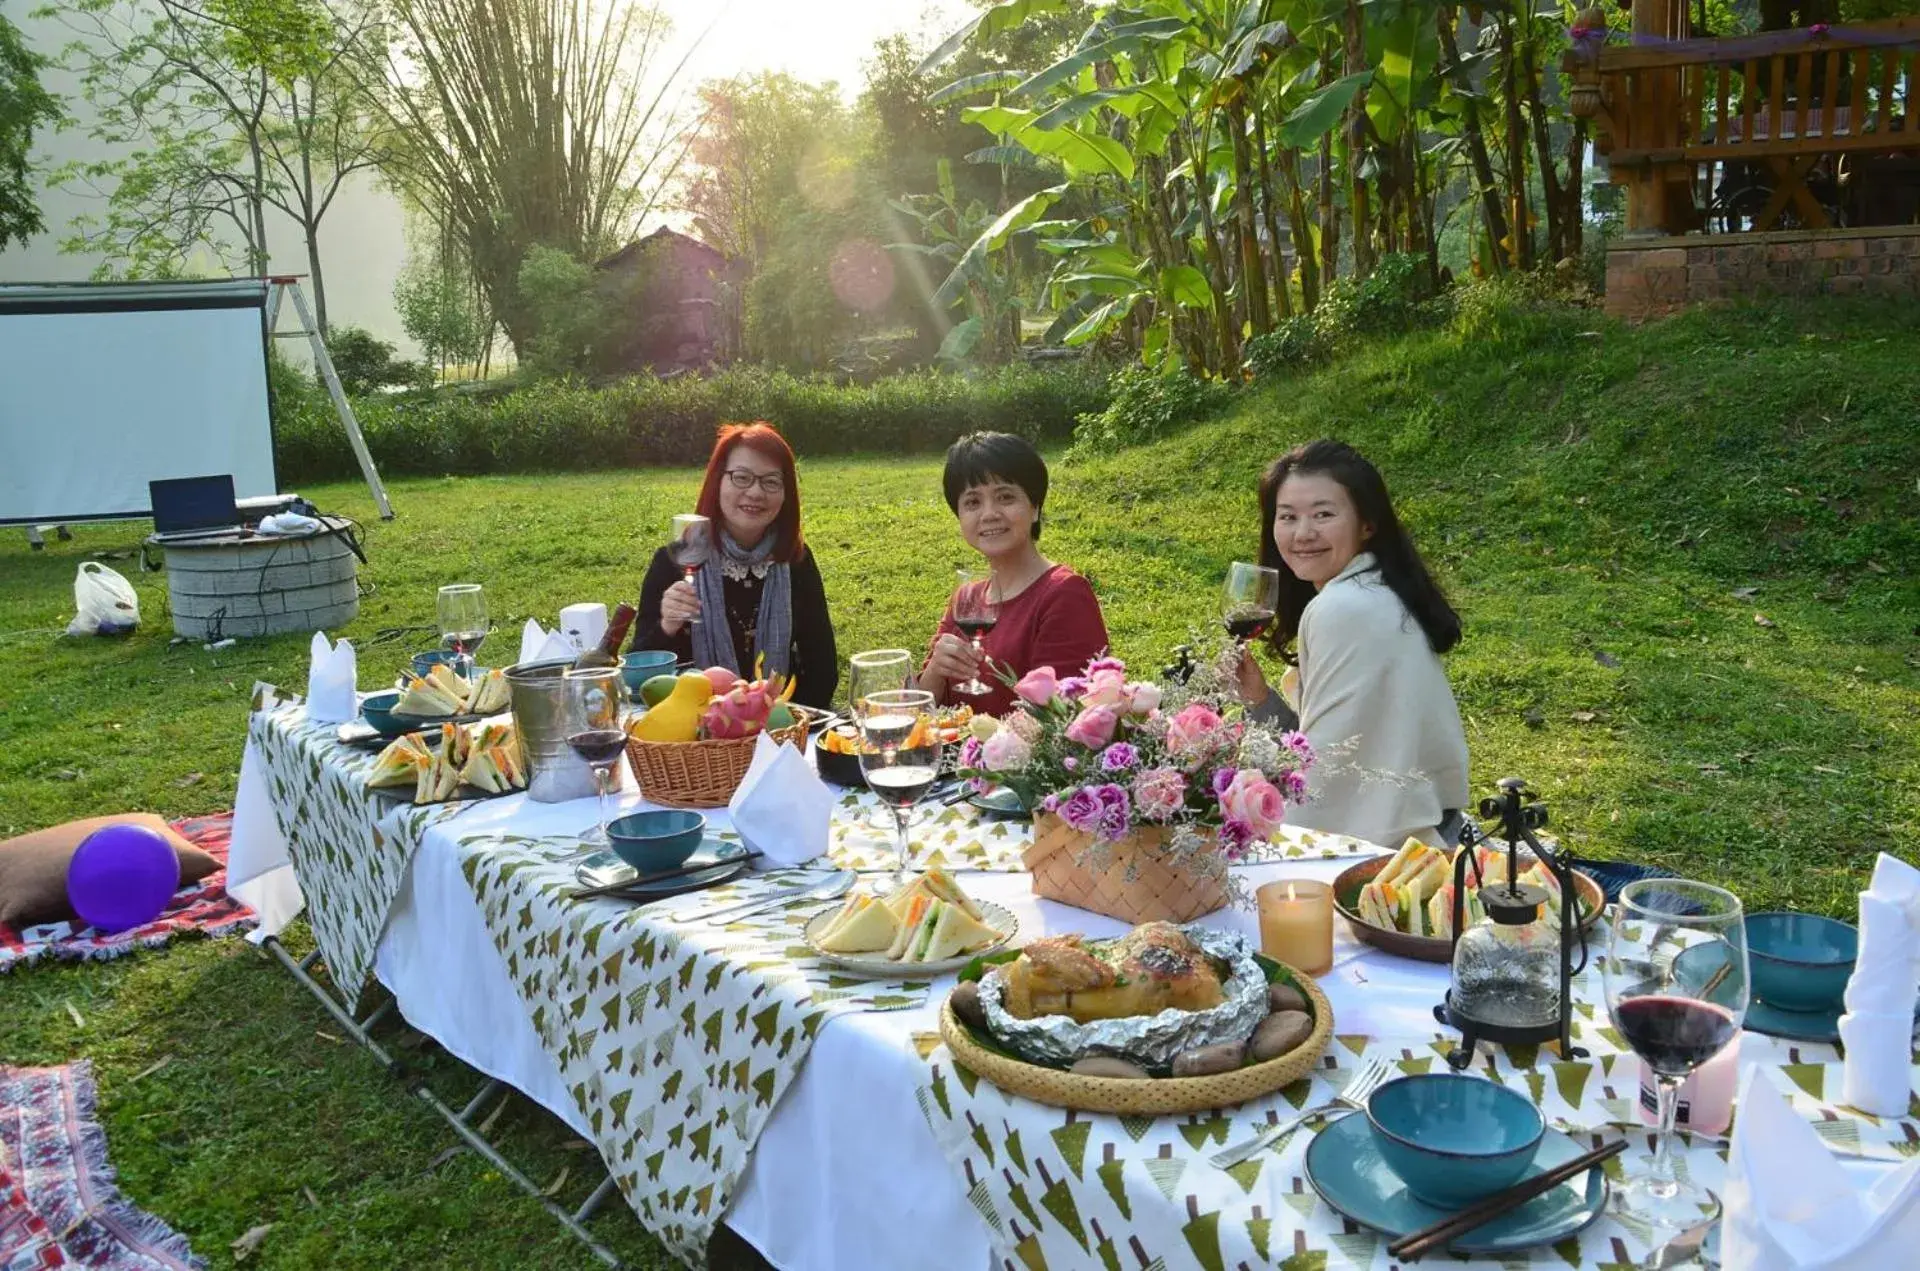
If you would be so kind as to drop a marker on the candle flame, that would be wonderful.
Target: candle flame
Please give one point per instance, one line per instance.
(1290, 891)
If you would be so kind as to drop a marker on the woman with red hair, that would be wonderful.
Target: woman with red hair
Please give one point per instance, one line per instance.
(761, 592)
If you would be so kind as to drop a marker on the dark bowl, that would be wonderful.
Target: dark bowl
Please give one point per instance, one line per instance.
(842, 770)
(1454, 1139)
(1800, 962)
(642, 665)
(653, 842)
(377, 710)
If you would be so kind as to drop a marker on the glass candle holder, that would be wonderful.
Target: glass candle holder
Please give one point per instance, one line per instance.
(1296, 923)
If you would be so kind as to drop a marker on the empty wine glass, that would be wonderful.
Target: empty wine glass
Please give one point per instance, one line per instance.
(592, 713)
(899, 756)
(976, 607)
(1252, 595)
(1677, 990)
(692, 545)
(462, 609)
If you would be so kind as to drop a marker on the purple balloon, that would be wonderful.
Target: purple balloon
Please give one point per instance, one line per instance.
(122, 876)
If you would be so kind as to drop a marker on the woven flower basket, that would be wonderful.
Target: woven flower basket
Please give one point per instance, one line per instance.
(701, 774)
(1157, 891)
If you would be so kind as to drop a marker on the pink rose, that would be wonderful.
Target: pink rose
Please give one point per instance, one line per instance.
(1039, 686)
(1106, 664)
(1253, 800)
(1159, 792)
(1106, 687)
(1006, 751)
(1142, 698)
(1094, 726)
(1192, 731)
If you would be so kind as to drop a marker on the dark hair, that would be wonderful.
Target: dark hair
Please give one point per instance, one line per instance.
(1400, 565)
(980, 457)
(765, 441)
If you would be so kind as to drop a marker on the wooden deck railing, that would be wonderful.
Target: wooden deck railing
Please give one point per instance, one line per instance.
(1783, 99)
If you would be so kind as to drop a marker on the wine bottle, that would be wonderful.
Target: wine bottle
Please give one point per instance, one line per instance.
(607, 652)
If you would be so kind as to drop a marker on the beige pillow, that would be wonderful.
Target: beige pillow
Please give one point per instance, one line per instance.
(33, 867)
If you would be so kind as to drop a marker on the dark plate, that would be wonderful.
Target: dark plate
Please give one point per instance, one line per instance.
(1346, 898)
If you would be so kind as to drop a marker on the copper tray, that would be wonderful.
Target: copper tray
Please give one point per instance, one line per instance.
(1346, 898)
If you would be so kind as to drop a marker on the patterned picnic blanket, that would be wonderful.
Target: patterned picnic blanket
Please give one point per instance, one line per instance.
(350, 846)
(1061, 1188)
(204, 907)
(676, 1039)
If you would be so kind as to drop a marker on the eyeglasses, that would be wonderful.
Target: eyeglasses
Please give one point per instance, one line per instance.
(743, 479)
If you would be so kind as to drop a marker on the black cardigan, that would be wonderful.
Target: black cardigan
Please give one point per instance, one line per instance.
(814, 661)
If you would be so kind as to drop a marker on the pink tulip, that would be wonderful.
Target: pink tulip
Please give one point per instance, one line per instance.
(1094, 726)
(1038, 686)
(1254, 800)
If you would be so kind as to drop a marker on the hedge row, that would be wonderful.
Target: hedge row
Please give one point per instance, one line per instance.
(647, 422)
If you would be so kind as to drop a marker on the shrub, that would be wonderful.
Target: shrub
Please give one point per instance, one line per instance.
(1391, 299)
(1146, 406)
(645, 422)
(1294, 343)
(365, 363)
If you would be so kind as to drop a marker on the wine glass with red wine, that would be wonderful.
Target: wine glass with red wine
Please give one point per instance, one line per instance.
(1253, 593)
(593, 731)
(1677, 990)
(976, 608)
(462, 610)
(899, 755)
(692, 545)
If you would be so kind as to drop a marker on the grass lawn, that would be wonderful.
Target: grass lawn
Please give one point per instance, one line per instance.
(1684, 554)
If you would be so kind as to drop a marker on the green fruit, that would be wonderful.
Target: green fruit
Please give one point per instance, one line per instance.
(781, 716)
(655, 690)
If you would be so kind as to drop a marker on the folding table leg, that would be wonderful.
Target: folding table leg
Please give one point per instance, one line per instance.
(594, 1201)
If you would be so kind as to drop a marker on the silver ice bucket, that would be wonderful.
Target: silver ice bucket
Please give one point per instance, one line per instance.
(555, 773)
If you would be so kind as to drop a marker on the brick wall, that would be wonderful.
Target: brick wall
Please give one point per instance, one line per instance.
(1649, 278)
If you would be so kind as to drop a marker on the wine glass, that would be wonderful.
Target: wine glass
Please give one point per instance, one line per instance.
(1677, 990)
(876, 671)
(463, 623)
(899, 755)
(592, 714)
(1253, 593)
(976, 607)
(692, 545)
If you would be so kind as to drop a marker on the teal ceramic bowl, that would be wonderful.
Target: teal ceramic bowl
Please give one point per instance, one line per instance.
(637, 668)
(377, 710)
(653, 842)
(1800, 962)
(1454, 1139)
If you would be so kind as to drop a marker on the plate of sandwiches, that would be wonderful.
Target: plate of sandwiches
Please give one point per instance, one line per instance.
(928, 927)
(461, 762)
(443, 695)
(1404, 903)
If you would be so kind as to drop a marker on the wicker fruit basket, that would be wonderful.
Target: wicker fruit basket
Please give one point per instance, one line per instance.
(1156, 1096)
(701, 774)
(1138, 884)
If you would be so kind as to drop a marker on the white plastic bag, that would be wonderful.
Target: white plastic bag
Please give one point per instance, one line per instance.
(105, 602)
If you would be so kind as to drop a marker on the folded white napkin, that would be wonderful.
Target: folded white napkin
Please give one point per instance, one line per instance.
(1790, 1204)
(1877, 1029)
(782, 807)
(583, 625)
(537, 644)
(1898, 882)
(331, 679)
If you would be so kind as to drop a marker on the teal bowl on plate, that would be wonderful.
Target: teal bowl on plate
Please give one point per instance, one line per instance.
(1454, 1139)
(637, 668)
(653, 842)
(1800, 962)
(377, 710)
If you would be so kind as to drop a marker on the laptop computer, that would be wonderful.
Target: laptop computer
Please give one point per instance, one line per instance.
(193, 506)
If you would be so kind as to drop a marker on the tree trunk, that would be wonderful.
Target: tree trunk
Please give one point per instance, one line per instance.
(1227, 350)
(1329, 216)
(1490, 207)
(1576, 189)
(1253, 276)
(1283, 299)
(1543, 156)
(1520, 246)
(1302, 225)
(1354, 131)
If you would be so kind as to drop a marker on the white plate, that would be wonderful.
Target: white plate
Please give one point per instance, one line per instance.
(876, 965)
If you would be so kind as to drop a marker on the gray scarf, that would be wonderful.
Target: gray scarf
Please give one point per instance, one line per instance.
(773, 629)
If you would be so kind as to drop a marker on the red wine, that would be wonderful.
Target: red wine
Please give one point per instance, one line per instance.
(607, 652)
(598, 745)
(1248, 624)
(901, 785)
(463, 641)
(973, 628)
(1674, 1035)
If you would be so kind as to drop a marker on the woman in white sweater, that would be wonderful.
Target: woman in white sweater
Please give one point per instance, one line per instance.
(1371, 624)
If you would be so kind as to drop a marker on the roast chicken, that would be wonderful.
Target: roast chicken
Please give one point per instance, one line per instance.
(1151, 968)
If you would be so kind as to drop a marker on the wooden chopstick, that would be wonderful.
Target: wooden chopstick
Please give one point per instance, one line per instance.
(1415, 1243)
(665, 875)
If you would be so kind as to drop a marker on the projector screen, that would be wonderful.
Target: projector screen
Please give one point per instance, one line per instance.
(104, 388)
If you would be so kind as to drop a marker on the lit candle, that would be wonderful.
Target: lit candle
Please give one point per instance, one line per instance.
(1296, 924)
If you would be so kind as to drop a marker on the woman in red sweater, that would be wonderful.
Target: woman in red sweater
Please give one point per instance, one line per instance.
(996, 484)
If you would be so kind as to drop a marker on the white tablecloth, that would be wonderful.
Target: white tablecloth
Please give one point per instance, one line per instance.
(846, 1174)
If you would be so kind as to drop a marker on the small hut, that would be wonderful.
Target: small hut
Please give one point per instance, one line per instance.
(667, 289)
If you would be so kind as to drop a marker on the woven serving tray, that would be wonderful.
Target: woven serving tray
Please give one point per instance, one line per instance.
(1156, 1096)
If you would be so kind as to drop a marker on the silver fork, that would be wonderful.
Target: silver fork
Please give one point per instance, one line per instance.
(1372, 1075)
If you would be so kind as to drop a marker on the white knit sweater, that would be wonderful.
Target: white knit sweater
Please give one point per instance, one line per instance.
(1375, 702)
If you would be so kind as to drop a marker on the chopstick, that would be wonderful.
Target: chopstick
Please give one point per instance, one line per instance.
(1416, 1243)
(665, 875)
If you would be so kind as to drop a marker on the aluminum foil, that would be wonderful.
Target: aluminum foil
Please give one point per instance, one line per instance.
(1149, 1040)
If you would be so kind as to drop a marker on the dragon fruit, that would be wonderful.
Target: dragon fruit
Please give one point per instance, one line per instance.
(740, 712)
